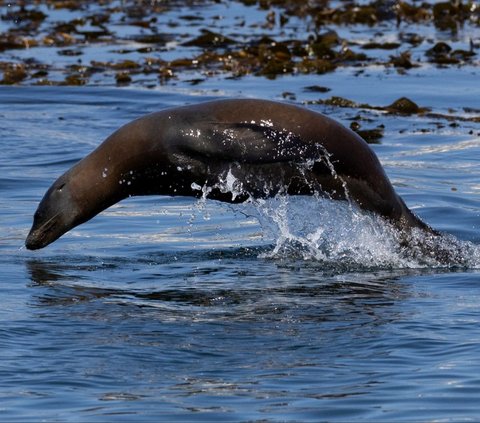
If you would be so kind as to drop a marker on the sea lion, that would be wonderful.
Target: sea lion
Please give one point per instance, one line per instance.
(228, 150)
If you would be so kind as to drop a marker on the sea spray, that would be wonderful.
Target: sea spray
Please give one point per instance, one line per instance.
(338, 232)
(317, 228)
(341, 234)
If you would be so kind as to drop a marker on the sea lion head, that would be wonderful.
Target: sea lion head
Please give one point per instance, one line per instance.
(55, 215)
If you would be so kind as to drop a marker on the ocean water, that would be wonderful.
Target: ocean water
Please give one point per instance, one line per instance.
(293, 309)
(179, 309)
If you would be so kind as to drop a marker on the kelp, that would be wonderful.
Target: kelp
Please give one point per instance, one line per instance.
(213, 49)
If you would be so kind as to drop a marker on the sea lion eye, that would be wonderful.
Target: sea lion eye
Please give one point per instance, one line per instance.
(60, 187)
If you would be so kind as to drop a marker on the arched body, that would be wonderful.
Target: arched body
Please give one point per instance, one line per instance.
(236, 148)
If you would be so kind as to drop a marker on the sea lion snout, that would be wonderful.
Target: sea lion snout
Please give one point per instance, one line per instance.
(54, 214)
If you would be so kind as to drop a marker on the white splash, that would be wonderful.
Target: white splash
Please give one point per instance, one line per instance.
(338, 233)
(230, 184)
(316, 228)
(195, 186)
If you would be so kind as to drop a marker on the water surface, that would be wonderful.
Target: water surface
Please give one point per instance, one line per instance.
(164, 307)
(176, 309)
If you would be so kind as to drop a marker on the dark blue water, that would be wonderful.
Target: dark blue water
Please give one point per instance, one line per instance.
(176, 309)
